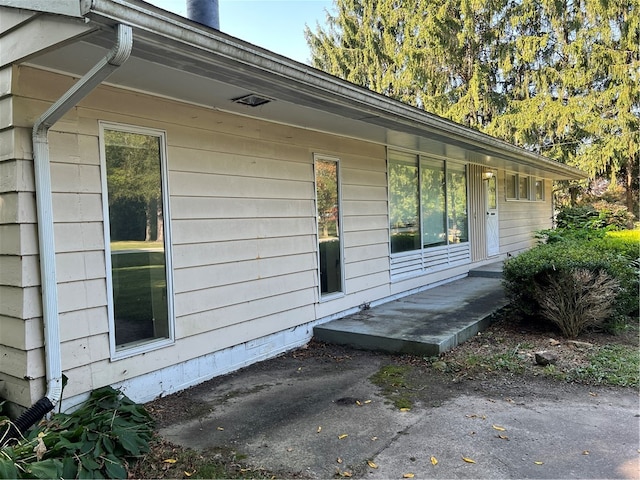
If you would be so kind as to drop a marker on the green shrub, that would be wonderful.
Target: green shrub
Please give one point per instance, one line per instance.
(92, 442)
(531, 271)
(577, 299)
(599, 215)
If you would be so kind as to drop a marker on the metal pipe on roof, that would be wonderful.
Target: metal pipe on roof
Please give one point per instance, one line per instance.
(205, 12)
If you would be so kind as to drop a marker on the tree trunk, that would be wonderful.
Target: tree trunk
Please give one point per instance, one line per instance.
(159, 221)
(147, 230)
(629, 188)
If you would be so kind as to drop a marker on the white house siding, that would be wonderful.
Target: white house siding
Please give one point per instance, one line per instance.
(243, 231)
(20, 328)
(519, 219)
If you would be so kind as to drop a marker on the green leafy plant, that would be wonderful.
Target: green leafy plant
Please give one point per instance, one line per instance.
(95, 441)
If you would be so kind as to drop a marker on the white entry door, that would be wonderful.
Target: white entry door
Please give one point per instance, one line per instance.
(492, 226)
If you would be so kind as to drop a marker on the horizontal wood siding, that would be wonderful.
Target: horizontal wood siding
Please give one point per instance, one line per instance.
(520, 219)
(242, 221)
(20, 305)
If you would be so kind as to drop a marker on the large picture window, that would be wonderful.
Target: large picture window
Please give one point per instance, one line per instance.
(134, 175)
(427, 202)
(458, 231)
(329, 235)
(404, 203)
(433, 203)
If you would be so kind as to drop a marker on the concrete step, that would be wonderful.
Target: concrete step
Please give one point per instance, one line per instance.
(491, 270)
(426, 323)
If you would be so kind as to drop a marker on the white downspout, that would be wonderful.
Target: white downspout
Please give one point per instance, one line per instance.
(116, 57)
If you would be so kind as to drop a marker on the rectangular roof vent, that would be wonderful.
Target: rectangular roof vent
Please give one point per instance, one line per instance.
(252, 100)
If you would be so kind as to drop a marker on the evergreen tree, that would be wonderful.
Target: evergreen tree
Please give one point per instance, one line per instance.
(558, 77)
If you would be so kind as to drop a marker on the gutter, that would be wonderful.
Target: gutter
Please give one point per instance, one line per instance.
(44, 204)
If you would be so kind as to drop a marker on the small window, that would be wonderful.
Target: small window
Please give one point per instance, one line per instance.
(327, 176)
(137, 244)
(539, 190)
(511, 183)
(523, 188)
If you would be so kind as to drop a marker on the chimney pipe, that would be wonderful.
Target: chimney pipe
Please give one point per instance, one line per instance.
(205, 12)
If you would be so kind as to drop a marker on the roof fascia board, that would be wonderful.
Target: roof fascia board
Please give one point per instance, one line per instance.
(70, 8)
(366, 105)
(30, 34)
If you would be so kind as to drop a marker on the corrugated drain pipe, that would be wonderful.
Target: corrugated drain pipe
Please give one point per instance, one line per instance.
(53, 359)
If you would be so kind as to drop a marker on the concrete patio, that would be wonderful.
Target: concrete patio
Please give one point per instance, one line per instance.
(427, 323)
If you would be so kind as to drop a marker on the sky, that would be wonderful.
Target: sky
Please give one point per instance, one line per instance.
(277, 25)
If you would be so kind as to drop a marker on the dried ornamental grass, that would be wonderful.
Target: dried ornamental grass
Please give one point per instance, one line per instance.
(577, 299)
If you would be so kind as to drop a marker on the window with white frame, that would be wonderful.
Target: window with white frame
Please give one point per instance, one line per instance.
(135, 202)
(539, 189)
(511, 186)
(523, 187)
(328, 214)
(427, 202)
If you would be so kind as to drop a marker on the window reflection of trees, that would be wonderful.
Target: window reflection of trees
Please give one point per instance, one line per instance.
(136, 224)
(328, 215)
(437, 203)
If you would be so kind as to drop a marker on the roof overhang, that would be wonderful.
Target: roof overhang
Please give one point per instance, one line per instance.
(176, 58)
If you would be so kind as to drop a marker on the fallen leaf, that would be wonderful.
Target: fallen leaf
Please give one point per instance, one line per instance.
(586, 452)
(344, 435)
(408, 475)
(373, 439)
(367, 401)
(221, 428)
(170, 460)
(503, 437)
(40, 449)
(188, 474)
(499, 428)
(339, 460)
(319, 429)
(346, 474)
(371, 464)
(593, 394)
(358, 403)
(434, 461)
(405, 409)
(289, 449)
(539, 463)
(468, 460)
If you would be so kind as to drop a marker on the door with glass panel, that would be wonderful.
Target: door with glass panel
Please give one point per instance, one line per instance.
(492, 223)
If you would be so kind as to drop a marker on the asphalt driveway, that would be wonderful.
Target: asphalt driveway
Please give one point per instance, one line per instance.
(318, 415)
